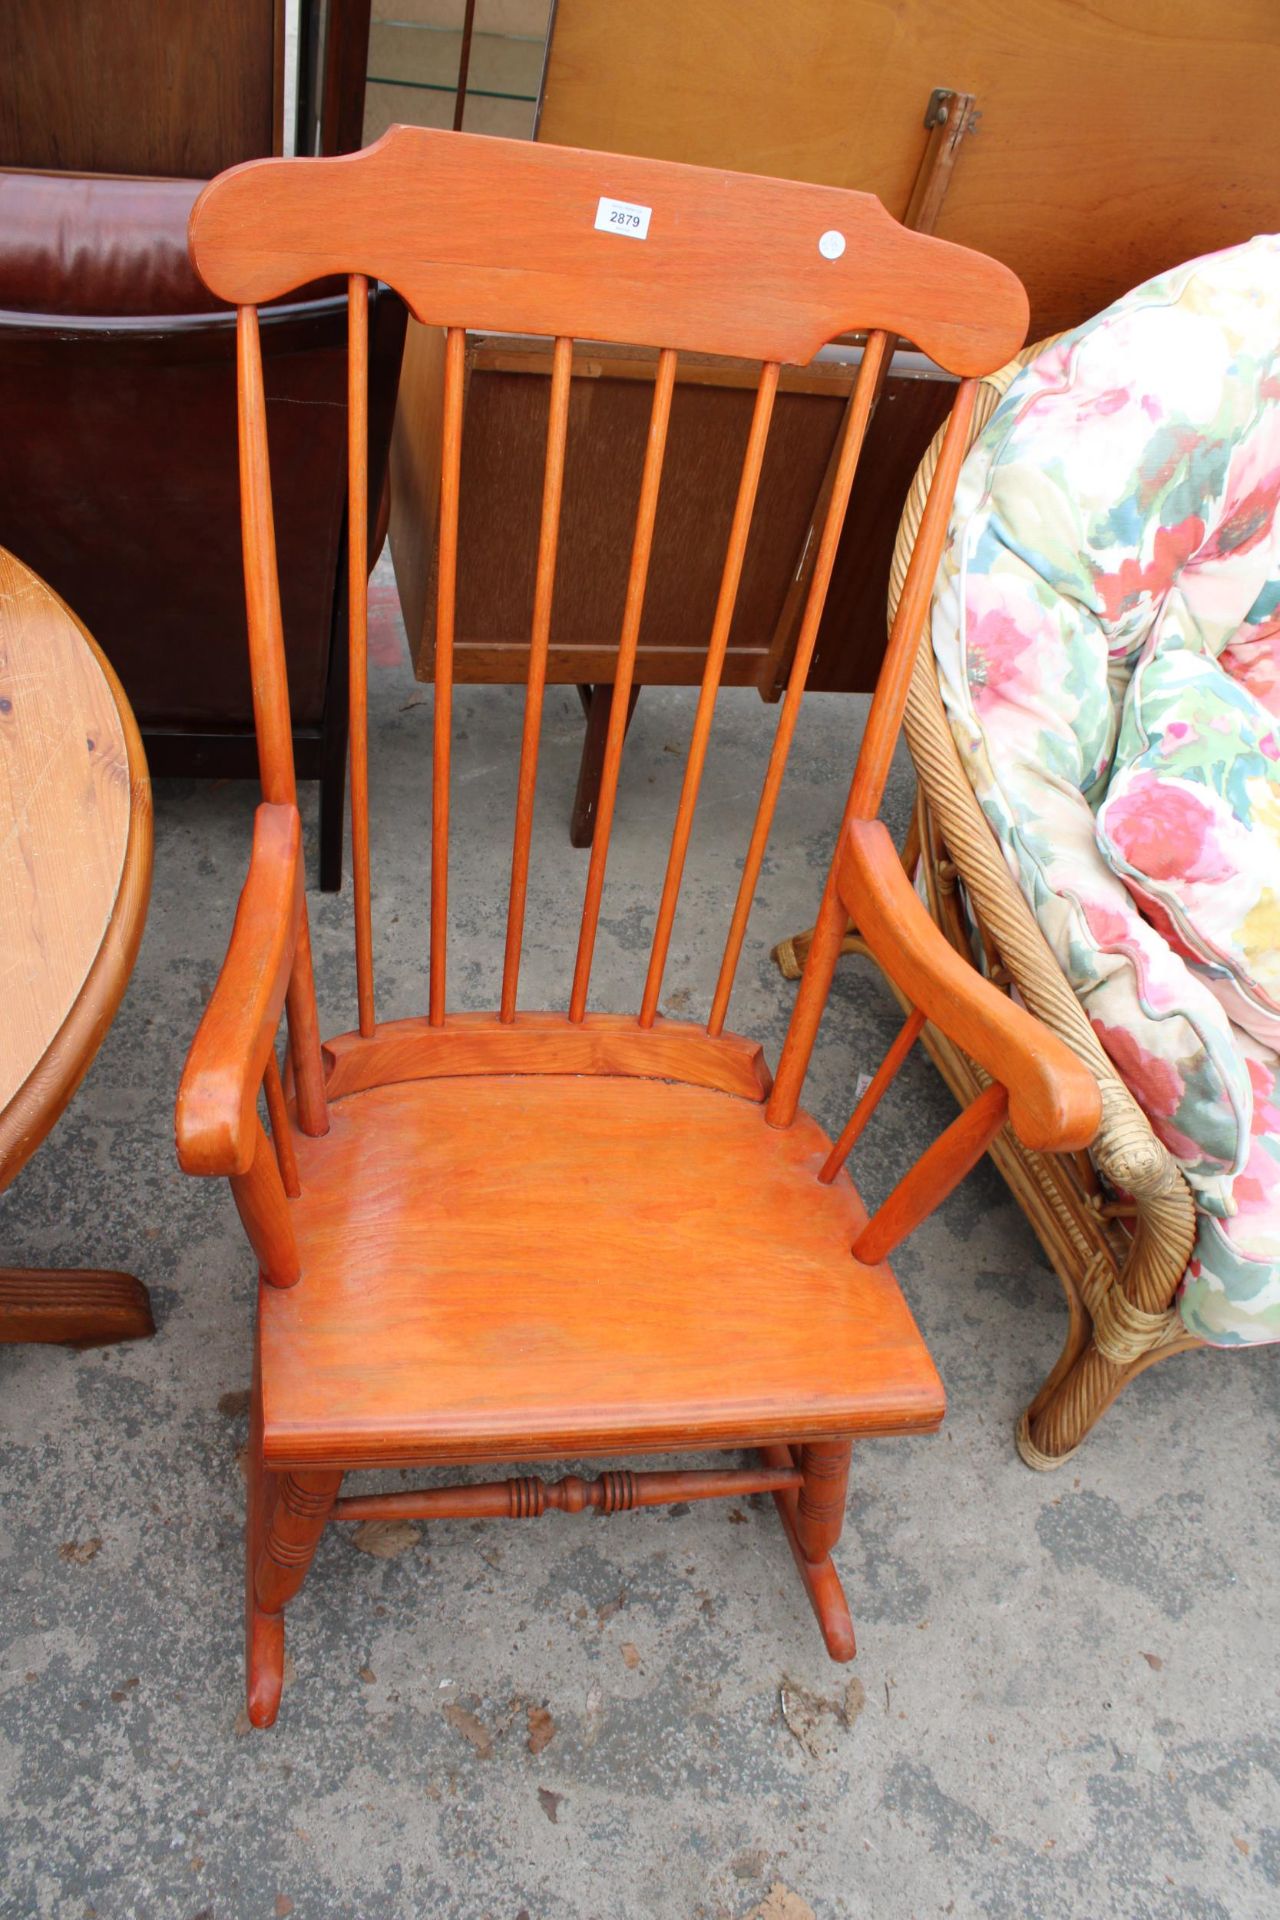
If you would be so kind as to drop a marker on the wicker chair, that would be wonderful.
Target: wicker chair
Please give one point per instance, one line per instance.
(1118, 1223)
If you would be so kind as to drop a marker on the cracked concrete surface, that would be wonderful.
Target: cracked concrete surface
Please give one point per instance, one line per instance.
(1068, 1688)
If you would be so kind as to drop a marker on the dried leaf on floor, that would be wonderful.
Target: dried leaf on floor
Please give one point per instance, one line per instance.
(593, 1718)
(542, 1729)
(472, 1729)
(386, 1539)
(749, 1865)
(630, 1653)
(812, 1719)
(855, 1699)
(781, 1904)
(368, 1675)
(1154, 1661)
(605, 1613)
(80, 1552)
(550, 1804)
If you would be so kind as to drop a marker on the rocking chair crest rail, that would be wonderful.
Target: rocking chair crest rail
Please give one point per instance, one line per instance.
(526, 1234)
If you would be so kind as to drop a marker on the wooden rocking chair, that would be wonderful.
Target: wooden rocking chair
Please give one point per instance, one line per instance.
(533, 1234)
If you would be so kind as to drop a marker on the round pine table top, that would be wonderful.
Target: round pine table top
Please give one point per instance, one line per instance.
(75, 855)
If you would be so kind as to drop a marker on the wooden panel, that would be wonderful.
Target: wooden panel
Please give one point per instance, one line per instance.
(1115, 139)
(502, 235)
(140, 86)
(678, 1278)
(503, 451)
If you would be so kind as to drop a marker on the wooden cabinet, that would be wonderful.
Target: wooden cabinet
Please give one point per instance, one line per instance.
(503, 447)
(140, 86)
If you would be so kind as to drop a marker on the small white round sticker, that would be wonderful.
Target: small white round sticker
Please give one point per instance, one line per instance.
(831, 245)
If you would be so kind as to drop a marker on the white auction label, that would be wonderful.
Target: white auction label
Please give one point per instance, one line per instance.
(621, 216)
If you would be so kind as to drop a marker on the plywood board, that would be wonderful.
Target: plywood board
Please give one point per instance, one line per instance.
(1115, 139)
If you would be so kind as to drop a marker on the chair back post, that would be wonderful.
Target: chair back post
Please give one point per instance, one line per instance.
(271, 691)
(875, 756)
(859, 419)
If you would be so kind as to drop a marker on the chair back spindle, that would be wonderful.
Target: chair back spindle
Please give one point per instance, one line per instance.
(633, 608)
(726, 602)
(446, 606)
(540, 641)
(358, 634)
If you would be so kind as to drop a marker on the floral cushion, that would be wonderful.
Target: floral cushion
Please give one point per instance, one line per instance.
(1107, 630)
(1191, 823)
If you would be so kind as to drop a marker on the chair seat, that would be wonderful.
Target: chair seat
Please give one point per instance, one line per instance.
(521, 1266)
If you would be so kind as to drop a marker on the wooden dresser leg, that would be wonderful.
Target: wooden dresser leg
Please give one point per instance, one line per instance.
(597, 704)
(90, 1308)
(824, 1518)
(291, 1511)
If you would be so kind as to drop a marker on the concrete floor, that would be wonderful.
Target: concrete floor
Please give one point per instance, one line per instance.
(1065, 1700)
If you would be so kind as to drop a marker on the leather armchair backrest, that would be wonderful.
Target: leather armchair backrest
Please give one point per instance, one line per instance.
(81, 243)
(120, 478)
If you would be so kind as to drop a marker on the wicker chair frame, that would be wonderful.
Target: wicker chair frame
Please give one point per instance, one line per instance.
(1117, 1223)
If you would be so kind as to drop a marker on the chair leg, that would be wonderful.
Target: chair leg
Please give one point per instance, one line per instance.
(813, 1520)
(820, 1507)
(286, 1516)
(263, 1632)
(298, 1512)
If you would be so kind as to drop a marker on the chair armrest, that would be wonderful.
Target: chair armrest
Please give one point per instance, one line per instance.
(217, 1098)
(1054, 1102)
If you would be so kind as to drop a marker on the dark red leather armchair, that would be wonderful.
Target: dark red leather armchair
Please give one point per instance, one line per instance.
(119, 483)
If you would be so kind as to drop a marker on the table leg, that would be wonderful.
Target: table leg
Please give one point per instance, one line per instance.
(89, 1308)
